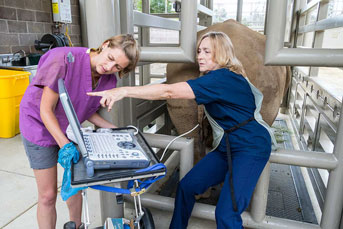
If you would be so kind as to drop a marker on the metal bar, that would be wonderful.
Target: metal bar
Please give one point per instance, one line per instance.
(165, 54)
(188, 35)
(271, 222)
(316, 132)
(310, 5)
(206, 211)
(109, 20)
(200, 27)
(319, 35)
(334, 198)
(329, 23)
(151, 115)
(306, 57)
(320, 110)
(276, 54)
(186, 51)
(260, 196)
(109, 208)
(302, 115)
(184, 145)
(126, 16)
(204, 10)
(313, 159)
(239, 10)
(167, 15)
(147, 20)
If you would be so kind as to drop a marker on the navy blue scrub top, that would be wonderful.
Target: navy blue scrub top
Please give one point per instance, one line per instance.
(229, 100)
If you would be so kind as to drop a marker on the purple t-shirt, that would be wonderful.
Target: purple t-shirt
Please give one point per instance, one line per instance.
(73, 65)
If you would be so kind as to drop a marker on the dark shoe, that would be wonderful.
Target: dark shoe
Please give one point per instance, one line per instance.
(69, 225)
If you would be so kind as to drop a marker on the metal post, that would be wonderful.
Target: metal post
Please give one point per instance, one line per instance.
(184, 145)
(185, 53)
(206, 211)
(239, 10)
(334, 199)
(319, 35)
(276, 54)
(189, 33)
(260, 197)
(102, 13)
(145, 42)
(108, 205)
(108, 202)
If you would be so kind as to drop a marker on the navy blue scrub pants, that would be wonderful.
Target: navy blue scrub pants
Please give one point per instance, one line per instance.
(213, 170)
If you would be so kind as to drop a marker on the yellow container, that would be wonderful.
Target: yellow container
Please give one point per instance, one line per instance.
(12, 87)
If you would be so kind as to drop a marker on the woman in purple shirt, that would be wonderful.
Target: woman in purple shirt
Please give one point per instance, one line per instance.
(43, 122)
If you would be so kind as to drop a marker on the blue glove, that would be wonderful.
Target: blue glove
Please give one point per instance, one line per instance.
(66, 155)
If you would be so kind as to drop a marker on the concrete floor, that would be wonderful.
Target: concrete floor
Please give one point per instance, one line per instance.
(18, 195)
(18, 192)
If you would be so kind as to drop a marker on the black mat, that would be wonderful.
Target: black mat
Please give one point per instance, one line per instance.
(288, 197)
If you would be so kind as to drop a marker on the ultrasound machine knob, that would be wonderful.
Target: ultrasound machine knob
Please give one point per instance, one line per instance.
(89, 168)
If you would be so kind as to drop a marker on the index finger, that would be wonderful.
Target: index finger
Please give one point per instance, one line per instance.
(98, 93)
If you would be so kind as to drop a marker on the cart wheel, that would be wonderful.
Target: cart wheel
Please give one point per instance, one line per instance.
(147, 222)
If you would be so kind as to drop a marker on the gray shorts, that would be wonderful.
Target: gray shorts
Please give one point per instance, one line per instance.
(40, 157)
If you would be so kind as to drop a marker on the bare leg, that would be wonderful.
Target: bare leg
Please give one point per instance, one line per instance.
(46, 180)
(75, 208)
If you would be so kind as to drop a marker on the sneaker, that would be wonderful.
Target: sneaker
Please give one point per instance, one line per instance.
(72, 225)
(69, 225)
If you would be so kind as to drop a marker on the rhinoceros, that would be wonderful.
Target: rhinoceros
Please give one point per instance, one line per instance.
(249, 46)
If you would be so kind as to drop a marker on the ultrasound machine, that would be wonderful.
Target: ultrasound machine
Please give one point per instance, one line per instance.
(118, 148)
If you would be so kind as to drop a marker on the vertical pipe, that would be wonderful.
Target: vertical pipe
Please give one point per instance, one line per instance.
(334, 199)
(302, 115)
(259, 199)
(266, 18)
(275, 32)
(109, 207)
(126, 109)
(145, 42)
(184, 145)
(99, 13)
(83, 23)
(316, 132)
(239, 10)
(189, 11)
(209, 20)
(186, 158)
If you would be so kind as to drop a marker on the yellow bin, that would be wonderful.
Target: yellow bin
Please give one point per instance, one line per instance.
(12, 87)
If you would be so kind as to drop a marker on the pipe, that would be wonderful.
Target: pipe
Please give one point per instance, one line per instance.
(205, 211)
(312, 159)
(334, 199)
(184, 145)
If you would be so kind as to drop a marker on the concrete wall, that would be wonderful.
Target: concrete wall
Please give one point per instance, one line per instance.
(24, 21)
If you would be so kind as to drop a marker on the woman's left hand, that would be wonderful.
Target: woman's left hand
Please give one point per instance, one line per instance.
(109, 97)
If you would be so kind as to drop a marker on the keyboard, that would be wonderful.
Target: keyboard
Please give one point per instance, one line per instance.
(117, 146)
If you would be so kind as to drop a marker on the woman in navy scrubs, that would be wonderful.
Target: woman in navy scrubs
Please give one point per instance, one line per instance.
(242, 140)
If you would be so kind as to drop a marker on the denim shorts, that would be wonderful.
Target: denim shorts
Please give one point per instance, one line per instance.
(40, 157)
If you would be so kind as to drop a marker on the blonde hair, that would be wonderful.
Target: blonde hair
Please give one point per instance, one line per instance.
(129, 45)
(223, 51)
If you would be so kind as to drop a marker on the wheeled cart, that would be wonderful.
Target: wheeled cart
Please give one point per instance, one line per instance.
(138, 181)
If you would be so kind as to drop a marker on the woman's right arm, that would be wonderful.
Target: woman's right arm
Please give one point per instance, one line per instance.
(47, 114)
(180, 90)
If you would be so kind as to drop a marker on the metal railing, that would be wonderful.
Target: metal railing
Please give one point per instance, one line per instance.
(276, 54)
